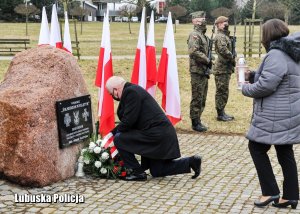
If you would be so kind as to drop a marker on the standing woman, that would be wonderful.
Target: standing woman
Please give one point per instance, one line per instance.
(276, 114)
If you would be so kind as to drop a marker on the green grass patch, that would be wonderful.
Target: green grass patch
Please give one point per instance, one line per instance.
(124, 43)
(238, 105)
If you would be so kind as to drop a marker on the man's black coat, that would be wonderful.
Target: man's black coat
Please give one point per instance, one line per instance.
(144, 128)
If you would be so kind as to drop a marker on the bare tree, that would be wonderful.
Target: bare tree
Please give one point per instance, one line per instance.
(271, 10)
(177, 11)
(221, 11)
(128, 10)
(26, 10)
(65, 3)
(79, 12)
(289, 5)
(140, 4)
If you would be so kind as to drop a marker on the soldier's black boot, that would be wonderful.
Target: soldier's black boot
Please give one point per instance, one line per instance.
(222, 116)
(197, 126)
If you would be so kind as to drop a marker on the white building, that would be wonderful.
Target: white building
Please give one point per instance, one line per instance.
(97, 8)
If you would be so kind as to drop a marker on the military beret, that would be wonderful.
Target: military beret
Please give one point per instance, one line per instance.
(198, 14)
(221, 19)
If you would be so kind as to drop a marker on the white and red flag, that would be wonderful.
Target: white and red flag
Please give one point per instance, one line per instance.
(108, 142)
(67, 37)
(104, 72)
(55, 38)
(151, 58)
(44, 38)
(168, 76)
(139, 73)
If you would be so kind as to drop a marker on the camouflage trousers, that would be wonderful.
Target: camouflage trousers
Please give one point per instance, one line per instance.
(222, 90)
(199, 85)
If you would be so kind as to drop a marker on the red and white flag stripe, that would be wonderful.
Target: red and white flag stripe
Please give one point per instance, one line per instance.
(44, 38)
(108, 142)
(168, 76)
(113, 151)
(104, 72)
(55, 38)
(67, 37)
(151, 58)
(139, 75)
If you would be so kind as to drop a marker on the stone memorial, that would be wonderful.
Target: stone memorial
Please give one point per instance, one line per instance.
(29, 142)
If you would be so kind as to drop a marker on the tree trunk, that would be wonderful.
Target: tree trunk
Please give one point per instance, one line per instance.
(175, 23)
(81, 25)
(286, 16)
(26, 24)
(129, 26)
(26, 19)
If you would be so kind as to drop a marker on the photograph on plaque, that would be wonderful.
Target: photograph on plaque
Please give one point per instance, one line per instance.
(74, 120)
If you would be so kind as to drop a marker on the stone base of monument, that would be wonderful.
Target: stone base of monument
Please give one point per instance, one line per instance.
(29, 144)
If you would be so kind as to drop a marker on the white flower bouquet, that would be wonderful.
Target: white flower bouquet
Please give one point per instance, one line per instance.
(98, 161)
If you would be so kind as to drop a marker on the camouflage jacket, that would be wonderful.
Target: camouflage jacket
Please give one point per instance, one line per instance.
(198, 49)
(223, 49)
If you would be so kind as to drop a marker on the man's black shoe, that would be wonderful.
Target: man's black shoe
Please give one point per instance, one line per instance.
(195, 164)
(136, 177)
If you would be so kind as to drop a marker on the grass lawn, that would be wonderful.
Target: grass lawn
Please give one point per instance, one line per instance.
(124, 43)
(238, 106)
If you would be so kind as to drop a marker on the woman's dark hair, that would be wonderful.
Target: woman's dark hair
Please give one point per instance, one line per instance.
(272, 30)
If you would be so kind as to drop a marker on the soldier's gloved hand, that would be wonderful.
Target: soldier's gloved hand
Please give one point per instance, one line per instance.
(209, 65)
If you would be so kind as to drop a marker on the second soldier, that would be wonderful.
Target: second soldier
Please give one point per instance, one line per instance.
(223, 68)
(198, 44)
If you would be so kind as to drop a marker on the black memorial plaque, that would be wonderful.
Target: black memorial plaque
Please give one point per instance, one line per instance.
(74, 120)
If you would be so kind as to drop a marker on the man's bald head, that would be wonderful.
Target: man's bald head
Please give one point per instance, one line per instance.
(115, 82)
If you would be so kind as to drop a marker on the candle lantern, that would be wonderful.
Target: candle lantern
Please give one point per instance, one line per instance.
(80, 163)
(241, 70)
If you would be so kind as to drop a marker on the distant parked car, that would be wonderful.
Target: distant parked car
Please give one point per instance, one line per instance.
(162, 19)
(118, 19)
(125, 19)
(134, 19)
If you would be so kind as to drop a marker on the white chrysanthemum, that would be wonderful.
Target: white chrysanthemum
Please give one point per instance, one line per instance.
(86, 161)
(98, 164)
(98, 142)
(83, 151)
(104, 156)
(92, 145)
(97, 149)
(103, 171)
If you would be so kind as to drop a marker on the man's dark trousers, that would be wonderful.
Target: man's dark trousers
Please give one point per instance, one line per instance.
(158, 168)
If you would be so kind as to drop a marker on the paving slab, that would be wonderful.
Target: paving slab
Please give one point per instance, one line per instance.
(227, 184)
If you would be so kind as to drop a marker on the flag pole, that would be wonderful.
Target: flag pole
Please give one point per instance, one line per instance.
(97, 131)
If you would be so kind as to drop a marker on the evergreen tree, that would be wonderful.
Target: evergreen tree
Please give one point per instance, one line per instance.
(7, 7)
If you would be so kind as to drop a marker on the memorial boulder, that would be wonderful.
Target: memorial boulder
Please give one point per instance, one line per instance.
(36, 79)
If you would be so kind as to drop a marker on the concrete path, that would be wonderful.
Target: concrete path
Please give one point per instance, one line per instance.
(227, 184)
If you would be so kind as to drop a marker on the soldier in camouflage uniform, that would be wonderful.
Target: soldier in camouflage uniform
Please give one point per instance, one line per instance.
(223, 68)
(198, 50)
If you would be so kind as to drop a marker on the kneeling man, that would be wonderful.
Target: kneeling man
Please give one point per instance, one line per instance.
(145, 130)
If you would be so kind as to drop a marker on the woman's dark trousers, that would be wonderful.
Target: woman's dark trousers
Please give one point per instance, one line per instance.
(285, 156)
